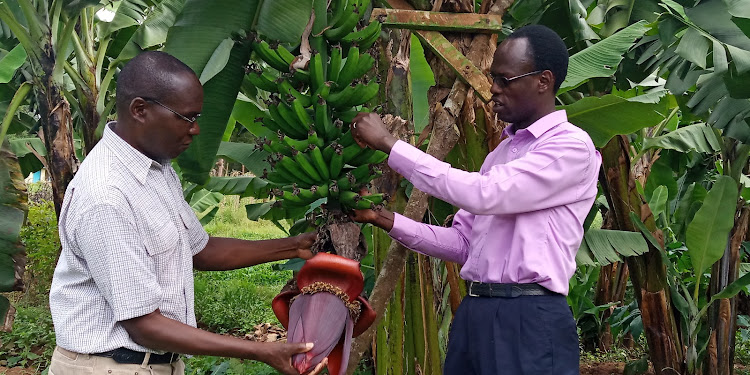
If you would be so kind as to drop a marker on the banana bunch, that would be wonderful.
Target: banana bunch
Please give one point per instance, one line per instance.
(313, 154)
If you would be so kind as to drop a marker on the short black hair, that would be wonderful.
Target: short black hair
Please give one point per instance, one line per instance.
(150, 74)
(547, 50)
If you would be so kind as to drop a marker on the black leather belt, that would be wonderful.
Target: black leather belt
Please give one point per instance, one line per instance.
(477, 289)
(123, 355)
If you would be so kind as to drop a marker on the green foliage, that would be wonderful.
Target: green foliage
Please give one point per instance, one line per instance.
(31, 342)
(236, 301)
(42, 242)
(231, 221)
(204, 365)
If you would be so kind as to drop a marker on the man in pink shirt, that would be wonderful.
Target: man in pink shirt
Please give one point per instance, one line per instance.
(520, 221)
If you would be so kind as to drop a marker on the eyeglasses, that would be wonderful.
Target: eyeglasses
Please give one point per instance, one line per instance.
(191, 120)
(504, 82)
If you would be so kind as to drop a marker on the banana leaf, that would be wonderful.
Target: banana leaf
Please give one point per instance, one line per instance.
(602, 246)
(603, 58)
(697, 137)
(708, 232)
(610, 115)
(11, 62)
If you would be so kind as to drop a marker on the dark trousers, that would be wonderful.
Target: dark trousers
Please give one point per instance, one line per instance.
(526, 335)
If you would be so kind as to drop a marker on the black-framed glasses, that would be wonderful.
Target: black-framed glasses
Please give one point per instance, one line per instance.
(504, 82)
(191, 120)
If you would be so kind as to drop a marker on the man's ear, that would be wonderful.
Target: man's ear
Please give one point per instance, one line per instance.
(546, 81)
(138, 109)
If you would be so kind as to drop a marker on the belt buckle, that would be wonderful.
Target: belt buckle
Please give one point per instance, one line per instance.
(471, 294)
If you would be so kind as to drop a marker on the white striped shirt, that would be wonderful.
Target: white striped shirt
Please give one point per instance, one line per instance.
(128, 238)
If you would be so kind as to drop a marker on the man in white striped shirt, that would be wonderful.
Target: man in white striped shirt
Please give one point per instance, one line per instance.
(122, 294)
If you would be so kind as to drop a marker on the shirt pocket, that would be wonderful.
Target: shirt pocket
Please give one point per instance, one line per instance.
(188, 218)
(162, 238)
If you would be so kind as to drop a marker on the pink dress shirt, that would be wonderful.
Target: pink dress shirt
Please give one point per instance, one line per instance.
(521, 216)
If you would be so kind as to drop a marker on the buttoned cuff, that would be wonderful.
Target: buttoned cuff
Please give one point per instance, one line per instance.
(403, 158)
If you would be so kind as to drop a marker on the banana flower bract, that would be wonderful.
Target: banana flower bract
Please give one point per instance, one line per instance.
(326, 310)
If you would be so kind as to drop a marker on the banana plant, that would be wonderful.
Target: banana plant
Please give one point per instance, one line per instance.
(13, 207)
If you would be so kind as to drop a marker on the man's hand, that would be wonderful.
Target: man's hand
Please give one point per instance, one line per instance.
(369, 131)
(381, 218)
(279, 356)
(304, 243)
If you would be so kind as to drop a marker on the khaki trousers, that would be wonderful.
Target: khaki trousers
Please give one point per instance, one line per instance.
(65, 362)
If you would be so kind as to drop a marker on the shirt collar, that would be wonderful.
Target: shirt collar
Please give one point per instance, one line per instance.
(138, 163)
(542, 125)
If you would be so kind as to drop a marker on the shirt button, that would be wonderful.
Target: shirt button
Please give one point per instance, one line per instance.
(514, 149)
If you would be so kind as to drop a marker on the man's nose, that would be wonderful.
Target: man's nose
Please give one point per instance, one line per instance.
(495, 88)
(195, 129)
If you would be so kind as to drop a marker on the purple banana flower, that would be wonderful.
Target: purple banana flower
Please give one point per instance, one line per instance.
(334, 331)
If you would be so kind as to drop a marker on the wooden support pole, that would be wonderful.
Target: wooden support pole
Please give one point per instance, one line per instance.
(438, 21)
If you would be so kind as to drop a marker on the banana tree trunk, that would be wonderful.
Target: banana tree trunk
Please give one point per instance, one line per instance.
(722, 315)
(390, 342)
(647, 271)
(86, 58)
(56, 126)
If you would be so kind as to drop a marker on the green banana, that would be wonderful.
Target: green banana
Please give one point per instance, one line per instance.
(313, 139)
(267, 54)
(333, 190)
(377, 198)
(268, 122)
(319, 162)
(291, 197)
(369, 156)
(285, 55)
(295, 169)
(322, 117)
(299, 145)
(309, 195)
(306, 165)
(366, 43)
(337, 162)
(346, 75)
(361, 35)
(364, 64)
(349, 22)
(350, 152)
(338, 13)
(317, 75)
(300, 77)
(348, 116)
(346, 182)
(346, 139)
(349, 198)
(273, 146)
(278, 177)
(339, 99)
(286, 88)
(330, 150)
(300, 129)
(302, 116)
(262, 80)
(334, 67)
(274, 110)
(362, 94)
